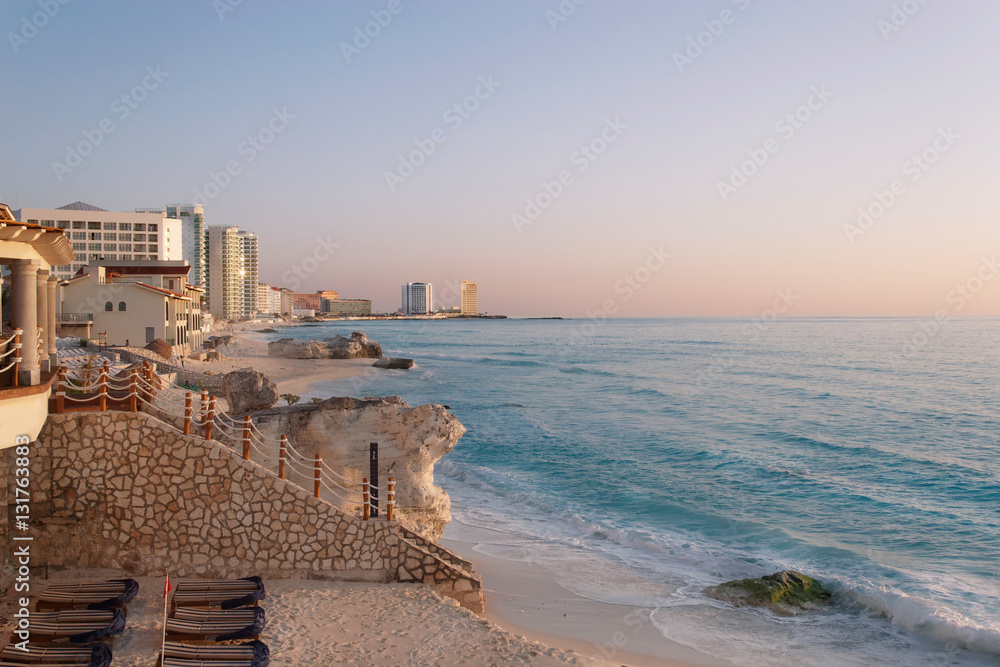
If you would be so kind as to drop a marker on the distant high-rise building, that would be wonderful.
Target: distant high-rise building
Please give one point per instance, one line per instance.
(100, 235)
(470, 302)
(265, 302)
(224, 272)
(193, 238)
(249, 247)
(418, 299)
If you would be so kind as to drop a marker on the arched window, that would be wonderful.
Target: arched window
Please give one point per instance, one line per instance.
(121, 306)
(108, 306)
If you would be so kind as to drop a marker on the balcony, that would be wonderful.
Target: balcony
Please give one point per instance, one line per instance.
(75, 318)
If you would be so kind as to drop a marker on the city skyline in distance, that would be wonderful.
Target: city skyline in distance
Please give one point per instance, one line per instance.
(744, 150)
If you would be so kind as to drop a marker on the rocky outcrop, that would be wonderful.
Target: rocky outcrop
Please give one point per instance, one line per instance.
(161, 348)
(247, 389)
(411, 440)
(393, 362)
(785, 593)
(358, 346)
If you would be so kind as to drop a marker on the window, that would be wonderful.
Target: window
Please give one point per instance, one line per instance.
(124, 237)
(63, 224)
(110, 247)
(94, 236)
(80, 246)
(111, 237)
(140, 226)
(79, 236)
(139, 237)
(79, 225)
(121, 306)
(111, 225)
(94, 246)
(153, 227)
(94, 225)
(125, 247)
(153, 248)
(108, 306)
(124, 226)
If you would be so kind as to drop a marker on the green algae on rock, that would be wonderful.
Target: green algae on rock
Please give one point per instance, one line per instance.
(784, 593)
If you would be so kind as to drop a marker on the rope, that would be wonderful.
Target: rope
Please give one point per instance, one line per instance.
(341, 486)
(13, 348)
(323, 484)
(336, 474)
(13, 363)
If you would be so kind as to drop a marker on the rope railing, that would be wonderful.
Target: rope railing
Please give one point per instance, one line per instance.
(199, 415)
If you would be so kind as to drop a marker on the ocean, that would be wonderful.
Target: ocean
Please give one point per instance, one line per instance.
(642, 460)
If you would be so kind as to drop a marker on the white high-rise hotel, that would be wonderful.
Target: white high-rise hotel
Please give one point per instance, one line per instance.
(97, 234)
(418, 299)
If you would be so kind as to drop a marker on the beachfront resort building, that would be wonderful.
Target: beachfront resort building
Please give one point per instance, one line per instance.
(249, 248)
(347, 307)
(97, 234)
(470, 302)
(137, 302)
(28, 253)
(418, 299)
(224, 273)
(193, 238)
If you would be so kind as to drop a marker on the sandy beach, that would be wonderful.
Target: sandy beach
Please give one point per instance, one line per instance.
(340, 623)
(293, 376)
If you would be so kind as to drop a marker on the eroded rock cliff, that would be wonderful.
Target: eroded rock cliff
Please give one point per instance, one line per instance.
(411, 440)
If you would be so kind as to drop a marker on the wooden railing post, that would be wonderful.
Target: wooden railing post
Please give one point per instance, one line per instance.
(133, 390)
(103, 401)
(60, 390)
(390, 501)
(210, 420)
(204, 404)
(282, 449)
(246, 438)
(364, 495)
(318, 474)
(187, 413)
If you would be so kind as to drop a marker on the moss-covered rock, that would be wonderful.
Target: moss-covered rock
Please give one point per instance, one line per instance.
(785, 593)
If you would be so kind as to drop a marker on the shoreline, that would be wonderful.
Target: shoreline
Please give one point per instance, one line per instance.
(521, 602)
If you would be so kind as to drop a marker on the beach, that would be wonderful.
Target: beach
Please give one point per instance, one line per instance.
(340, 623)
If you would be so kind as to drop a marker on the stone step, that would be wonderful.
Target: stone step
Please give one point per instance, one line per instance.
(436, 549)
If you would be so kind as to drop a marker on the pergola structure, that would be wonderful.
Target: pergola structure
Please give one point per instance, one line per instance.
(29, 251)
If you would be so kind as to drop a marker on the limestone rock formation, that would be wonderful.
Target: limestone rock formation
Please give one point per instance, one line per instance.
(358, 346)
(784, 593)
(161, 347)
(393, 362)
(247, 389)
(411, 440)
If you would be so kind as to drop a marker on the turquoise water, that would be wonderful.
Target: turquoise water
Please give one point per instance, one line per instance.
(642, 460)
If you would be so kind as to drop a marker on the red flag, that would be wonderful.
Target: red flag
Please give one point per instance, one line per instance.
(166, 587)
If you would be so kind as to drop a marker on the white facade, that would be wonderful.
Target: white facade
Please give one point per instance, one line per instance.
(193, 238)
(225, 272)
(418, 299)
(97, 234)
(249, 247)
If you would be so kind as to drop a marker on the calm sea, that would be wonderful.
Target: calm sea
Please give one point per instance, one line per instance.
(642, 460)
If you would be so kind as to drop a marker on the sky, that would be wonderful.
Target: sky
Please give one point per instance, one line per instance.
(625, 159)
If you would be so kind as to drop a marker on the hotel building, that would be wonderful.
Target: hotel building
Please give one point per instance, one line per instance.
(470, 302)
(224, 273)
(418, 299)
(249, 248)
(97, 234)
(193, 238)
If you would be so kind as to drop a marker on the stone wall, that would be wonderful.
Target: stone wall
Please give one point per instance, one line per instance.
(124, 490)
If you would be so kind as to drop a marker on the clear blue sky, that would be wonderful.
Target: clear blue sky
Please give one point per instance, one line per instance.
(655, 186)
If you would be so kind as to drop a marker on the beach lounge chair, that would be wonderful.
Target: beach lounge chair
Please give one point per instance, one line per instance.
(98, 655)
(249, 654)
(79, 626)
(98, 595)
(216, 625)
(227, 593)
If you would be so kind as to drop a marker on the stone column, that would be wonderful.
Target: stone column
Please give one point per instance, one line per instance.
(42, 318)
(50, 334)
(24, 316)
